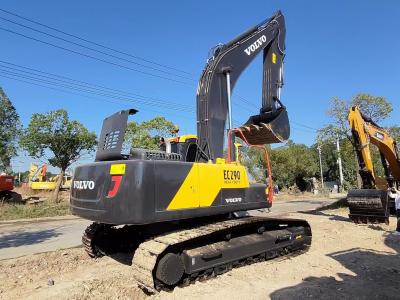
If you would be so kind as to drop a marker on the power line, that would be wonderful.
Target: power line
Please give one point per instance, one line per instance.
(300, 129)
(82, 95)
(83, 90)
(93, 49)
(97, 88)
(100, 93)
(103, 93)
(305, 126)
(93, 43)
(56, 89)
(242, 99)
(19, 76)
(91, 57)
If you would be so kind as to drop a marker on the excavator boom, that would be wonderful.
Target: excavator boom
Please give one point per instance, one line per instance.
(371, 203)
(219, 77)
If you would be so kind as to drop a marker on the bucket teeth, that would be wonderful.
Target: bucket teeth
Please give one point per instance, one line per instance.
(261, 132)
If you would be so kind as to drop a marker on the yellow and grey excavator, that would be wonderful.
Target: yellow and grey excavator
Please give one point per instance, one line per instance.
(372, 203)
(38, 179)
(183, 206)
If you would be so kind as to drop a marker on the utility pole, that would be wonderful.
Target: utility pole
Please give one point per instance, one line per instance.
(339, 161)
(320, 167)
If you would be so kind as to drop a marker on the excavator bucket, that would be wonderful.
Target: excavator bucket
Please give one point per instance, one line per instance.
(265, 129)
(368, 206)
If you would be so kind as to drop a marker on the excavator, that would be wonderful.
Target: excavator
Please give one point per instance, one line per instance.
(372, 203)
(38, 179)
(6, 187)
(182, 210)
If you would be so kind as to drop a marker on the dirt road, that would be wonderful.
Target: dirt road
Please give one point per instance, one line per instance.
(49, 234)
(346, 261)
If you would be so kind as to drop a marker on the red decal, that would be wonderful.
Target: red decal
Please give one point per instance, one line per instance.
(117, 182)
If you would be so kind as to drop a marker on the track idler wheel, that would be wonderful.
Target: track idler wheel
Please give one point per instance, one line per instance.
(170, 269)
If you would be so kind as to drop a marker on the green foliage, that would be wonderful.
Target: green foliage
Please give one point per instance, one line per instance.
(148, 133)
(54, 132)
(338, 112)
(289, 163)
(9, 131)
(349, 164)
(394, 131)
(330, 166)
(375, 107)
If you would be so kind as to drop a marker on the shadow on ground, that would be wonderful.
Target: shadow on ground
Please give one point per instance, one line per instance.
(123, 257)
(376, 276)
(17, 239)
(322, 211)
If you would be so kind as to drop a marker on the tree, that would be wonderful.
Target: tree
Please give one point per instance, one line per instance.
(375, 107)
(290, 164)
(9, 130)
(394, 131)
(66, 140)
(329, 161)
(148, 133)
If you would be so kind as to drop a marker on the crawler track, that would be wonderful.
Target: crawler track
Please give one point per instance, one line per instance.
(149, 253)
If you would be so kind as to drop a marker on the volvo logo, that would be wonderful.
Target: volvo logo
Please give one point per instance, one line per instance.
(84, 184)
(253, 47)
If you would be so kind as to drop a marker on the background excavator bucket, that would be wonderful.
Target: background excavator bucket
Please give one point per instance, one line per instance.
(368, 206)
(261, 130)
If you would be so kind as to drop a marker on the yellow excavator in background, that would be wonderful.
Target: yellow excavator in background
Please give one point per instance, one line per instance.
(38, 179)
(372, 203)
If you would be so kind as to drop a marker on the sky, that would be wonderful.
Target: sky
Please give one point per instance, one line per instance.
(333, 49)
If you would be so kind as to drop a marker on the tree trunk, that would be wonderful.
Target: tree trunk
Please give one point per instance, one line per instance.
(7, 165)
(58, 186)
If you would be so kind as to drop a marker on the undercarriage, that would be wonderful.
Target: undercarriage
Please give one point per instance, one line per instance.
(184, 252)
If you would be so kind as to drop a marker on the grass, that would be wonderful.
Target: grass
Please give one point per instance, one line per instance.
(21, 211)
(47, 208)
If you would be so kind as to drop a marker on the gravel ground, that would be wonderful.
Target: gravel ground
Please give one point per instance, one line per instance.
(345, 261)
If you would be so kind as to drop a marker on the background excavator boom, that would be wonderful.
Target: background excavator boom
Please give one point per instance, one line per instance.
(371, 203)
(364, 132)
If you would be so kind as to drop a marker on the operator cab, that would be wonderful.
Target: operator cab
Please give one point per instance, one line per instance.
(185, 146)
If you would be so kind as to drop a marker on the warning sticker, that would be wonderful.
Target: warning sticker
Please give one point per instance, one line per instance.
(273, 58)
(117, 169)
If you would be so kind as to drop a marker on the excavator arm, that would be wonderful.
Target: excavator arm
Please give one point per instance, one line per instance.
(219, 77)
(364, 132)
(371, 204)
